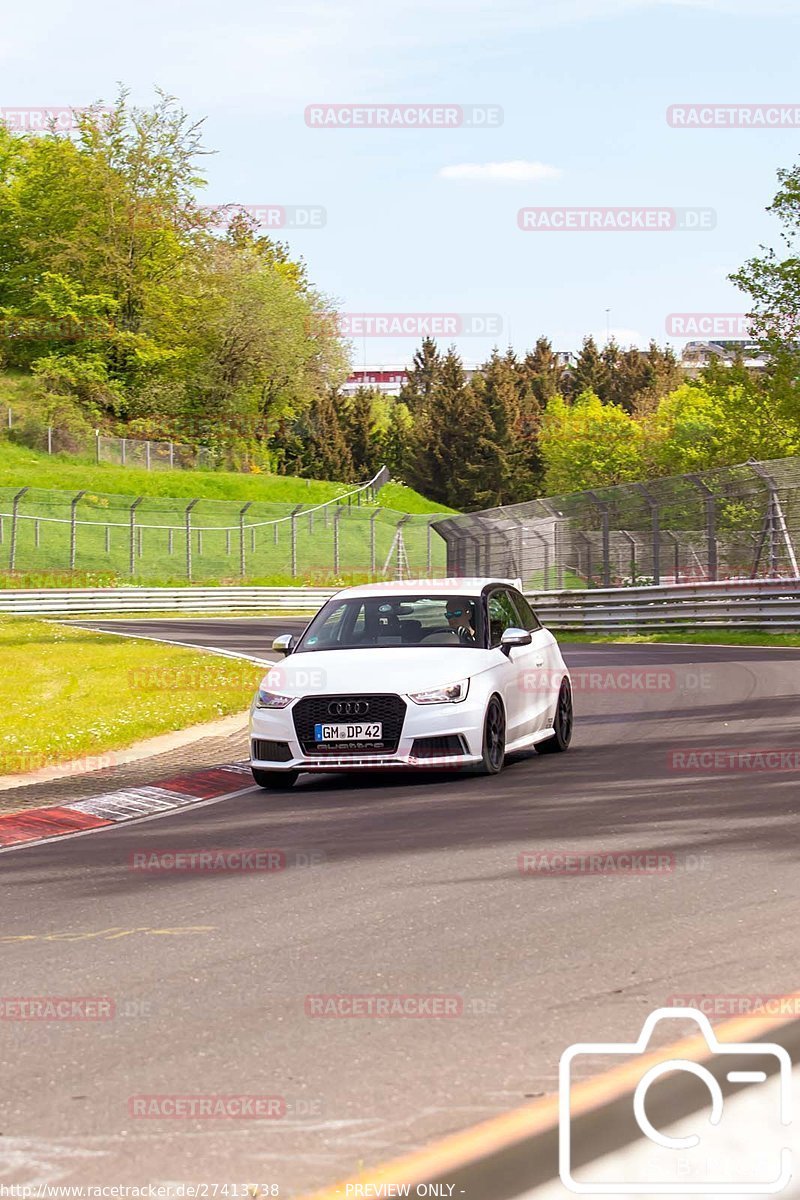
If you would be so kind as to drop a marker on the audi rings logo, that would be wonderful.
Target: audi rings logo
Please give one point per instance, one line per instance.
(348, 708)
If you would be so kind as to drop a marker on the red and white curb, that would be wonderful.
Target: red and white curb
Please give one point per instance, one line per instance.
(127, 804)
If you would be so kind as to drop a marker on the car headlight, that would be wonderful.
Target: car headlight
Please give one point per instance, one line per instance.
(271, 699)
(451, 693)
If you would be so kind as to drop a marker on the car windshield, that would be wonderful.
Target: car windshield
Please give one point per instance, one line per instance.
(378, 621)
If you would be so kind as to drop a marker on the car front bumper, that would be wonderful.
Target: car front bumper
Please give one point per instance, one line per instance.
(463, 721)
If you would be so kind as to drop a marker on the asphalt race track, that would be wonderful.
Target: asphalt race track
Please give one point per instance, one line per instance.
(416, 891)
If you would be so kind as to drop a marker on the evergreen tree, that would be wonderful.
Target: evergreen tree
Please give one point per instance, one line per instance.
(588, 373)
(446, 443)
(326, 454)
(499, 474)
(543, 371)
(425, 373)
(395, 440)
(358, 429)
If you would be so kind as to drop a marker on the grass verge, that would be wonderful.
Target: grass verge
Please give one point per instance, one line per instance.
(68, 693)
(699, 637)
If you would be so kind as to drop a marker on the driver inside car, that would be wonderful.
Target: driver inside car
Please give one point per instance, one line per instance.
(460, 620)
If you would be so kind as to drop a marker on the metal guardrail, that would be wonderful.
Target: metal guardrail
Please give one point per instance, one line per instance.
(73, 601)
(742, 604)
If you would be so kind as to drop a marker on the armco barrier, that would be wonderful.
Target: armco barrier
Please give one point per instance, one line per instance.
(74, 601)
(742, 604)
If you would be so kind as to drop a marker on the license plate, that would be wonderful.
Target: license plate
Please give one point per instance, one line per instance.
(349, 733)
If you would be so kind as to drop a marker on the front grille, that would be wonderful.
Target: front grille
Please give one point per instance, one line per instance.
(449, 745)
(364, 708)
(267, 751)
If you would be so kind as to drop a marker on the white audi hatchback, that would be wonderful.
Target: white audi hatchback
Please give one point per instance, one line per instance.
(427, 674)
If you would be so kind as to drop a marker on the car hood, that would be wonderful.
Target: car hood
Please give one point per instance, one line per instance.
(401, 669)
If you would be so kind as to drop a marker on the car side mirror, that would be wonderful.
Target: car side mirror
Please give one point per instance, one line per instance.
(514, 637)
(284, 644)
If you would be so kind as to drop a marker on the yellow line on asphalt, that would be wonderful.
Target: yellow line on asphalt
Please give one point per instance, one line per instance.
(472, 1145)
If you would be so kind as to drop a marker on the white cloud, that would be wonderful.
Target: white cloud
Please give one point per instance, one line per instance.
(518, 170)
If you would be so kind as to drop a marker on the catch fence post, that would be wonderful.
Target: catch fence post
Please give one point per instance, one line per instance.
(242, 552)
(546, 557)
(293, 523)
(73, 528)
(336, 518)
(603, 508)
(188, 519)
(132, 541)
(14, 506)
(677, 546)
(712, 564)
(654, 518)
(632, 541)
(372, 541)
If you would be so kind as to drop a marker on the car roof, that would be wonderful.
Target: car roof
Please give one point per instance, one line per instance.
(433, 587)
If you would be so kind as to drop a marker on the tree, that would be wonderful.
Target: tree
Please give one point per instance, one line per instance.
(716, 422)
(102, 241)
(501, 472)
(358, 428)
(425, 373)
(589, 372)
(772, 282)
(636, 379)
(542, 371)
(589, 444)
(447, 441)
(396, 437)
(315, 444)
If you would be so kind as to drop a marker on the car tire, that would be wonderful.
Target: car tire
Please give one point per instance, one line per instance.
(562, 723)
(494, 739)
(275, 781)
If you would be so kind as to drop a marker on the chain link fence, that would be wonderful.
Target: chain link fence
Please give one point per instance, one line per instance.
(30, 430)
(151, 455)
(147, 538)
(727, 523)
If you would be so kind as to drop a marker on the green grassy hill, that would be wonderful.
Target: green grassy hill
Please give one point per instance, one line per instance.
(325, 546)
(21, 467)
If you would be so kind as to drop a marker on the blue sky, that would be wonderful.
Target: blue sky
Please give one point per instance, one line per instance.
(584, 86)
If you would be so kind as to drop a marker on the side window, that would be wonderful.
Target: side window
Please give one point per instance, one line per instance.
(527, 617)
(502, 616)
